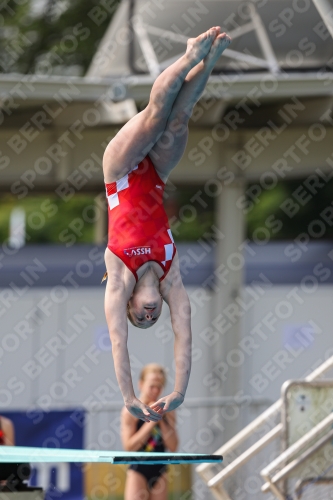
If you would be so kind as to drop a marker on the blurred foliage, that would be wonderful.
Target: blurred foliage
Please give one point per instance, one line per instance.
(291, 197)
(191, 213)
(266, 210)
(49, 219)
(52, 36)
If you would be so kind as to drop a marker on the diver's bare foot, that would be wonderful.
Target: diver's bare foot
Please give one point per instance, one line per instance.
(199, 47)
(221, 42)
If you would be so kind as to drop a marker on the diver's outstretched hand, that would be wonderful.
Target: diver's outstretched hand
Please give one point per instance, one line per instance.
(168, 403)
(141, 411)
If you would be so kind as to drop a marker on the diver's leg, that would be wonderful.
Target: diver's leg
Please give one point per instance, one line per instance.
(170, 147)
(134, 141)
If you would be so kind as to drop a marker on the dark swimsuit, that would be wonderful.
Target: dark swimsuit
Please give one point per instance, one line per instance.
(13, 472)
(154, 443)
(2, 435)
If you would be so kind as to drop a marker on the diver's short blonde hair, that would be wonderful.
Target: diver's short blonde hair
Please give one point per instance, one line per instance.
(129, 316)
(153, 368)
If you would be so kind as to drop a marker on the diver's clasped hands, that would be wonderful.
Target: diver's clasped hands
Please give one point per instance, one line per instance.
(155, 411)
(168, 403)
(142, 411)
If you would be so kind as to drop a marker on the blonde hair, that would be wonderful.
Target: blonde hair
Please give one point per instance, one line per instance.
(129, 317)
(153, 368)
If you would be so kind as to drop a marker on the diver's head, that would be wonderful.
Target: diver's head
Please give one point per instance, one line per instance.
(145, 306)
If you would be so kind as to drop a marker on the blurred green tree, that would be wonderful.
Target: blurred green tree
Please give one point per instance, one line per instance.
(277, 214)
(49, 219)
(52, 36)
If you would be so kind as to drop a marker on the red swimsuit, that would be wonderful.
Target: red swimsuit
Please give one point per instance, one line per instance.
(138, 225)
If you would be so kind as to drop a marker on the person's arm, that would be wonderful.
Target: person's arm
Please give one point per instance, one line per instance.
(132, 439)
(8, 431)
(175, 296)
(116, 298)
(169, 432)
(180, 311)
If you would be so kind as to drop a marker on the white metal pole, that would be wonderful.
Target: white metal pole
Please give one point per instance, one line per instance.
(325, 10)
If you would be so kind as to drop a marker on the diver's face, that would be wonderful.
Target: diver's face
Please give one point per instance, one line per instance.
(144, 308)
(151, 387)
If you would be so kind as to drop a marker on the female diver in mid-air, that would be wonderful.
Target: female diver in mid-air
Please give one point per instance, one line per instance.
(141, 258)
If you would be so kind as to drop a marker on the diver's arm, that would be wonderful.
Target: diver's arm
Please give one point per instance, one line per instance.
(115, 305)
